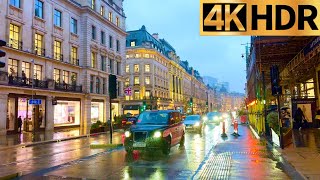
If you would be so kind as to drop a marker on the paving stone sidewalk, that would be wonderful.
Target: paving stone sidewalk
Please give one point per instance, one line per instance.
(243, 157)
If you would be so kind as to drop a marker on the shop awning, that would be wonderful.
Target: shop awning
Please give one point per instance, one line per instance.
(131, 107)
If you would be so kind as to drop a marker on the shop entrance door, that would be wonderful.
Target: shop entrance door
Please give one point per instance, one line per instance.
(30, 115)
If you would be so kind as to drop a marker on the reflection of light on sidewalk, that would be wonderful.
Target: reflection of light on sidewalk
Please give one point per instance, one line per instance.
(126, 174)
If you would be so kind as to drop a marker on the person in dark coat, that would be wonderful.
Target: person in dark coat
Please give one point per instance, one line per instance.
(299, 118)
(19, 124)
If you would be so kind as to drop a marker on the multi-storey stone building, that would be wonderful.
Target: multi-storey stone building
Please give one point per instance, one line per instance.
(60, 51)
(156, 76)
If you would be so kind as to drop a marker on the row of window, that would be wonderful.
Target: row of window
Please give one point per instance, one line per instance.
(67, 77)
(147, 81)
(103, 13)
(147, 94)
(14, 42)
(97, 85)
(103, 61)
(133, 44)
(57, 15)
(103, 38)
(14, 67)
(136, 68)
(145, 55)
(26, 72)
(137, 81)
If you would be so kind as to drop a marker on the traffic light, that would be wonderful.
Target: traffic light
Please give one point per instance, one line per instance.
(2, 53)
(113, 86)
(144, 105)
(191, 102)
(274, 74)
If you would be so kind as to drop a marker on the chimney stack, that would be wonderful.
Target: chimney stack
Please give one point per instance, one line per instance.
(156, 36)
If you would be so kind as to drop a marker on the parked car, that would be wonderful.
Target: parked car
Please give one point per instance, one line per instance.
(193, 122)
(156, 130)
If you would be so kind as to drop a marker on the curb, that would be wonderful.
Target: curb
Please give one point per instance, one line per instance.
(286, 165)
(50, 141)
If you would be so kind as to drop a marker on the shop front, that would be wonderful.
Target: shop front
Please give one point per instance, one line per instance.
(67, 112)
(32, 116)
(97, 111)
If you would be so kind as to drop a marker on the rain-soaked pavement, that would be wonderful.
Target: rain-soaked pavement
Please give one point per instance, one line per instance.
(25, 160)
(204, 156)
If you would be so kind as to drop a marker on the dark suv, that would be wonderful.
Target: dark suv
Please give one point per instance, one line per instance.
(156, 130)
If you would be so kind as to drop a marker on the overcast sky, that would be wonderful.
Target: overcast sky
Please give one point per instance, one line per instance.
(177, 21)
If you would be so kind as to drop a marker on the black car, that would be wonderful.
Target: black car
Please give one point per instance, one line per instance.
(155, 130)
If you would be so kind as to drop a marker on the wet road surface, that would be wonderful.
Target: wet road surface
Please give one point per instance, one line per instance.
(30, 159)
(204, 156)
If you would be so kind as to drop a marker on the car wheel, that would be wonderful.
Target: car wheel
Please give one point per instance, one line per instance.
(182, 140)
(166, 147)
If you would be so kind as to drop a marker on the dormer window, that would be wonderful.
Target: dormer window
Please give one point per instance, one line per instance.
(133, 43)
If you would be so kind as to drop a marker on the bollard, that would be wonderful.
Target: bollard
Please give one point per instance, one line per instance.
(235, 129)
(223, 130)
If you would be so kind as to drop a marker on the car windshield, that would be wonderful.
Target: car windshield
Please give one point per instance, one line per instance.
(192, 118)
(212, 114)
(153, 118)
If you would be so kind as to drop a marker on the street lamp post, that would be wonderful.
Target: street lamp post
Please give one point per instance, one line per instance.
(33, 108)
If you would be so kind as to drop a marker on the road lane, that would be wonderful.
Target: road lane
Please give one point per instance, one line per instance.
(181, 163)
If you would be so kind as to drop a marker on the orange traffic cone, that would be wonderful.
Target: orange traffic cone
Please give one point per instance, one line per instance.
(235, 129)
(223, 134)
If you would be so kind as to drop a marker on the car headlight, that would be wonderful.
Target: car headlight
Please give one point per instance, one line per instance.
(157, 134)
(205, 118)
(197, 124)
(127, 134)
(216, 118)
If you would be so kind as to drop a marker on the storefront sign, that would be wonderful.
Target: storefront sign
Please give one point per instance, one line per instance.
(35, 101)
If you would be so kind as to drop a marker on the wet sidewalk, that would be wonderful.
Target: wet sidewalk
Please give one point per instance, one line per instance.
(243, 157)
(304, 153)
(29, 139)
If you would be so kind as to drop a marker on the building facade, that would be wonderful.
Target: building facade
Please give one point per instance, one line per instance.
(156, 77)
(62, 53)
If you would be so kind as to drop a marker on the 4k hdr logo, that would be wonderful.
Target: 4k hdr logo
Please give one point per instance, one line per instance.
(261, 17)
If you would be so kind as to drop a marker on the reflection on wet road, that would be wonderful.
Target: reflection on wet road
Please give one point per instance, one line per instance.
(181, 163)
(30, 159)
(205, 155)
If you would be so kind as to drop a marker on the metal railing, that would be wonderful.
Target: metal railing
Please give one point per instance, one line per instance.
(74, 61)
(40, 51)
(67, 87)
(21, 81)
(16, 44)
(58, 56)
